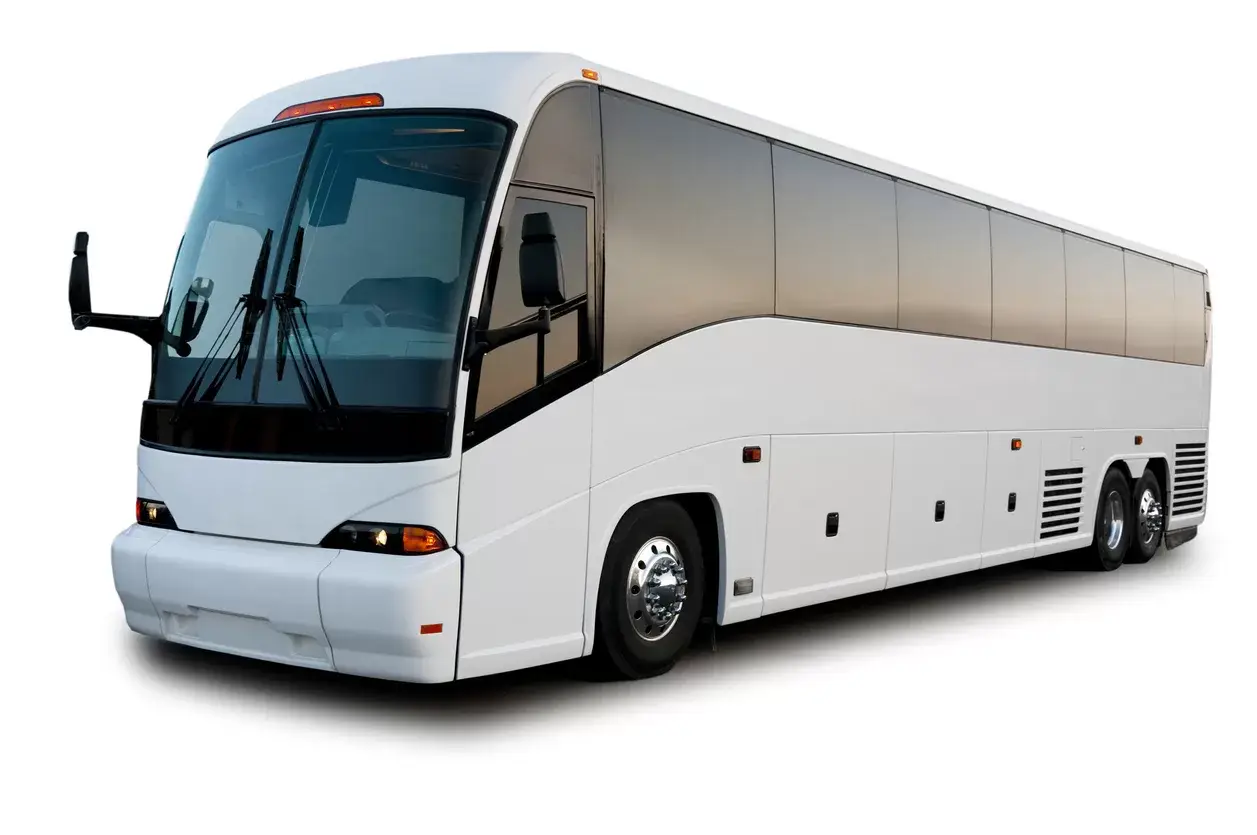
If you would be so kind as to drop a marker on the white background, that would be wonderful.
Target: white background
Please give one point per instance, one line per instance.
(1009, 700)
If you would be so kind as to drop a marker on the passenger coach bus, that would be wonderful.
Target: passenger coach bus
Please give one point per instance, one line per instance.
(473, 363)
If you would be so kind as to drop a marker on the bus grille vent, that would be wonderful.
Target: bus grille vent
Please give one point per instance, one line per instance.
(1062, 502)
(1190, 469)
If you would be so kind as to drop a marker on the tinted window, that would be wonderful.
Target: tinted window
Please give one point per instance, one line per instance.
(837, 256)
(1189, 316)
(1149, 308)
(944, 264)
(689, 224)
(1027, 282)
(1095, 296)
(562, 142)
(511, 370)
(245, 193)
(570, 227)
(389, 214)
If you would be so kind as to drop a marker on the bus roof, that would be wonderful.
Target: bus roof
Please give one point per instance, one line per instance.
(513, 84)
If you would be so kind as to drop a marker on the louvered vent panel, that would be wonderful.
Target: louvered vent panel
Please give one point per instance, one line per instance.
(1190, 467)
(1062, 502)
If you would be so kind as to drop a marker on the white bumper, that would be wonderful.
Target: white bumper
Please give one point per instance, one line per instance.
(346, 611)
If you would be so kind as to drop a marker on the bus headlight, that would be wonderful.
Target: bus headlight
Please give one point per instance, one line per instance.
(154, 514)
(385, 539)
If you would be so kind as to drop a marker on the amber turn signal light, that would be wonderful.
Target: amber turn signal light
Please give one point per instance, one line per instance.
(1016, 444)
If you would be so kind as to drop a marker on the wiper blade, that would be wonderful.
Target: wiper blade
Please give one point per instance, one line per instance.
(250, 304)
(292, 323)
(253, 307)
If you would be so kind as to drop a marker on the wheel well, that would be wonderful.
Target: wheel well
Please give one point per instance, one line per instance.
(1162, 471)
(702, 510)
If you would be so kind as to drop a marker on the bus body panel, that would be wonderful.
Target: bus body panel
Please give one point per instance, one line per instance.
(780, 376)
(795, 380)
(258, 599)
(297, 501)
(376, 615)
(812, 559)
(739, 495)
(523, 523)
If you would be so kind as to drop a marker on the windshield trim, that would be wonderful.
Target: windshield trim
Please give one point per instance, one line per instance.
(149, 434)
(369, 112)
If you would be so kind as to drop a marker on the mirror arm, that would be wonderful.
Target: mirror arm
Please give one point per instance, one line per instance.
(482, 341)
(148, 328)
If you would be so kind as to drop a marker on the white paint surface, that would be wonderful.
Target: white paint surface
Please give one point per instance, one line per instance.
(1116, 115)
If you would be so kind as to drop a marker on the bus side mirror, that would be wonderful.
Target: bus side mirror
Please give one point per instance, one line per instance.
(80, 285)
(148, 328)
(540, 264)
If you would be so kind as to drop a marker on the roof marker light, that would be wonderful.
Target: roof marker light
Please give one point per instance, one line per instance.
(328, 105)
(592, 75)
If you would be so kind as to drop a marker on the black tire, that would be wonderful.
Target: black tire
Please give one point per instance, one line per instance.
(1108, 547)
(619, 650)
(1145, 537)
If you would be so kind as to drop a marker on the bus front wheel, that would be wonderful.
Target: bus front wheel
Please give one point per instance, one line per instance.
(650, 596)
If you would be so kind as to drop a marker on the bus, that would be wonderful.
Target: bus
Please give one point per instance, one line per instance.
(471, 363)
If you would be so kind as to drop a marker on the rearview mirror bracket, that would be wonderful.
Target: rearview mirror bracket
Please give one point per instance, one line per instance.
(481, 341)
(147, 328)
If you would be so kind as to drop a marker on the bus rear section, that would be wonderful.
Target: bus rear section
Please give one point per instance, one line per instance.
(476, 363)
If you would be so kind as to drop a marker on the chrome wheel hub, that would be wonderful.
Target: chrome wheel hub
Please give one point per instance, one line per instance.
(655, 591)
(1114, 521)
(1151, 518)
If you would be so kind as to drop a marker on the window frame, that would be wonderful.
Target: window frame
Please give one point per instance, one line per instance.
(546, 388)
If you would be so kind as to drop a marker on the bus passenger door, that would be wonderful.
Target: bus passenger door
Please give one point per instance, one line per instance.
(523, 512)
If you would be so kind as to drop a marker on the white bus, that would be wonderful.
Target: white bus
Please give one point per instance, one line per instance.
(473, 363)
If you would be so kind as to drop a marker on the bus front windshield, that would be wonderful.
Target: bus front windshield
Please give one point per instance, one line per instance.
(370, 224)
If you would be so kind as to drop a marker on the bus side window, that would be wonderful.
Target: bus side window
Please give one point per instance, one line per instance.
(512, 370)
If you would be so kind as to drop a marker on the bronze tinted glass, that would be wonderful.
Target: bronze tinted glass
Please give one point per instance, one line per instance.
(944, 264)
(1095, 296)
(837, 256)
(1189, 316)
(1149, 308)
(689, 224)
(1027, 282)
(561, 147)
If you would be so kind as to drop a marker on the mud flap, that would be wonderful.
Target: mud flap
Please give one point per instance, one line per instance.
(1173, 539)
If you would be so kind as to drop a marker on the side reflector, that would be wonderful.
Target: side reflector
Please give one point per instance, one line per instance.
(1016, 444)
(431, 628)
(1139, 439)
(592, 75)
(328, 105)
(751, 455)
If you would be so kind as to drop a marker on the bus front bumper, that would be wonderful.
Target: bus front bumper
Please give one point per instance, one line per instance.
(375, 615)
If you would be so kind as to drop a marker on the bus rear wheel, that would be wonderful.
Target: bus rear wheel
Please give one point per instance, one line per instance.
(1146, 502)
(1113, 526)
(650, 595)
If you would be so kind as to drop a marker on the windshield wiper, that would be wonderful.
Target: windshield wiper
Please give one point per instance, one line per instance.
(319, 395)
(251, 305)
